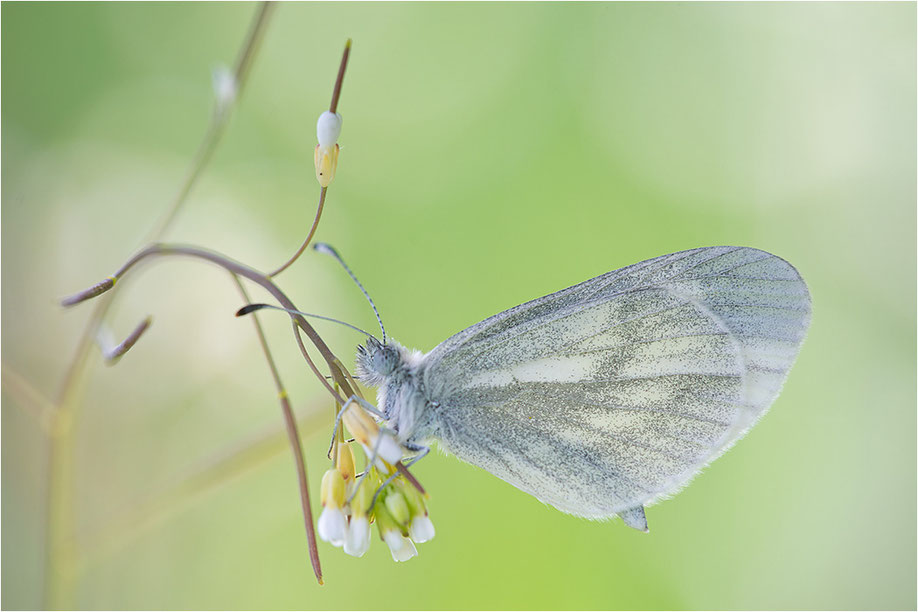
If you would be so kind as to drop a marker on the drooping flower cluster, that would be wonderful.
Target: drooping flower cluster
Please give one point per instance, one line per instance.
(348, 507)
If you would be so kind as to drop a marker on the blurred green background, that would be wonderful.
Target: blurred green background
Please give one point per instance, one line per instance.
(491, 153)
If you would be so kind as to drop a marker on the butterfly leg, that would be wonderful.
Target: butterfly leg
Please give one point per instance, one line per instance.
(363, 404)
(370, 461)
(422, 452)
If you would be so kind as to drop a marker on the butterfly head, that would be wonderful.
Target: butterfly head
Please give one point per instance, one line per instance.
(376, 361)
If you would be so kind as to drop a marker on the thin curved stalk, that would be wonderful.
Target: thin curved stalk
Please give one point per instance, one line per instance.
(312, 231)
(60, 553)
(258, 278)
(333, 108)
(293, 434)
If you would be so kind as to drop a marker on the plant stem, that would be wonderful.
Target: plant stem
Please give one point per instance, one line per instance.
(312, 231)
(59, 536)
(257, 277)
(339, 80)
(333, 107)
(294, 435)
(27, 396)
(218, 123)
(214, 473)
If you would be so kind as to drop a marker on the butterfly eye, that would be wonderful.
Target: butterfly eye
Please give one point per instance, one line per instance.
(385, 360)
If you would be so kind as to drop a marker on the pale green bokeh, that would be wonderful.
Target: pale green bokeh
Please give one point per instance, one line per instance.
(492, 153)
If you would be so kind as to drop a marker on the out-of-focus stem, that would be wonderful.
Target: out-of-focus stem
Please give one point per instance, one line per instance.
(27, 397)
(59, 536)
(219, 122)
(205, 479)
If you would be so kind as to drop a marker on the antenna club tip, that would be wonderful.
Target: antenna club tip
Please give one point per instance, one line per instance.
(347, 45)
(248, 308)
(324, 247)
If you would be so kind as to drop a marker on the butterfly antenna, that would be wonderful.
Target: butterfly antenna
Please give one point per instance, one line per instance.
(250, 308)
(328, 250)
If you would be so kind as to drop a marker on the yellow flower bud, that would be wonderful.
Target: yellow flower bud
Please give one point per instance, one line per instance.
(326, 159)
(333, 489)
(366, 431)
(360, 424)
(345, 462)
(360, 504)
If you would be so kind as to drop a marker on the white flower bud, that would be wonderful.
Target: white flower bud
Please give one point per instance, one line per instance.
(422, 529)
(225, 88)
(357, 541)
(333, 526)
(388, 450)
(401, 547)
(328, 128)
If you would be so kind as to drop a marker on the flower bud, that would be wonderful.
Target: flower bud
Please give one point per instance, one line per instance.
(397, 507)
(345, 462)
(422, 529)
(225, 88)
(401, 547)
(326, 160)
(366, 431)
(363, 497)
(328, 129)
(333, 489)
(332, 525)
(413, 497)
(357, 540)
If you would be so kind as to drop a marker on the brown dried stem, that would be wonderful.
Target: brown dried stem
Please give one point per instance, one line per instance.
(294, 436)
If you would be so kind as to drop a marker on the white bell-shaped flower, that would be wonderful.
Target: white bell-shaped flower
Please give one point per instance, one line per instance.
(401, 547)
(421, 529)
(333, 526)
(357, 541)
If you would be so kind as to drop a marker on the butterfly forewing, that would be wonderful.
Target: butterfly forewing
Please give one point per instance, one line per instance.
(615, 392)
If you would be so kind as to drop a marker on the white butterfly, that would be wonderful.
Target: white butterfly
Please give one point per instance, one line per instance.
(612, 394)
